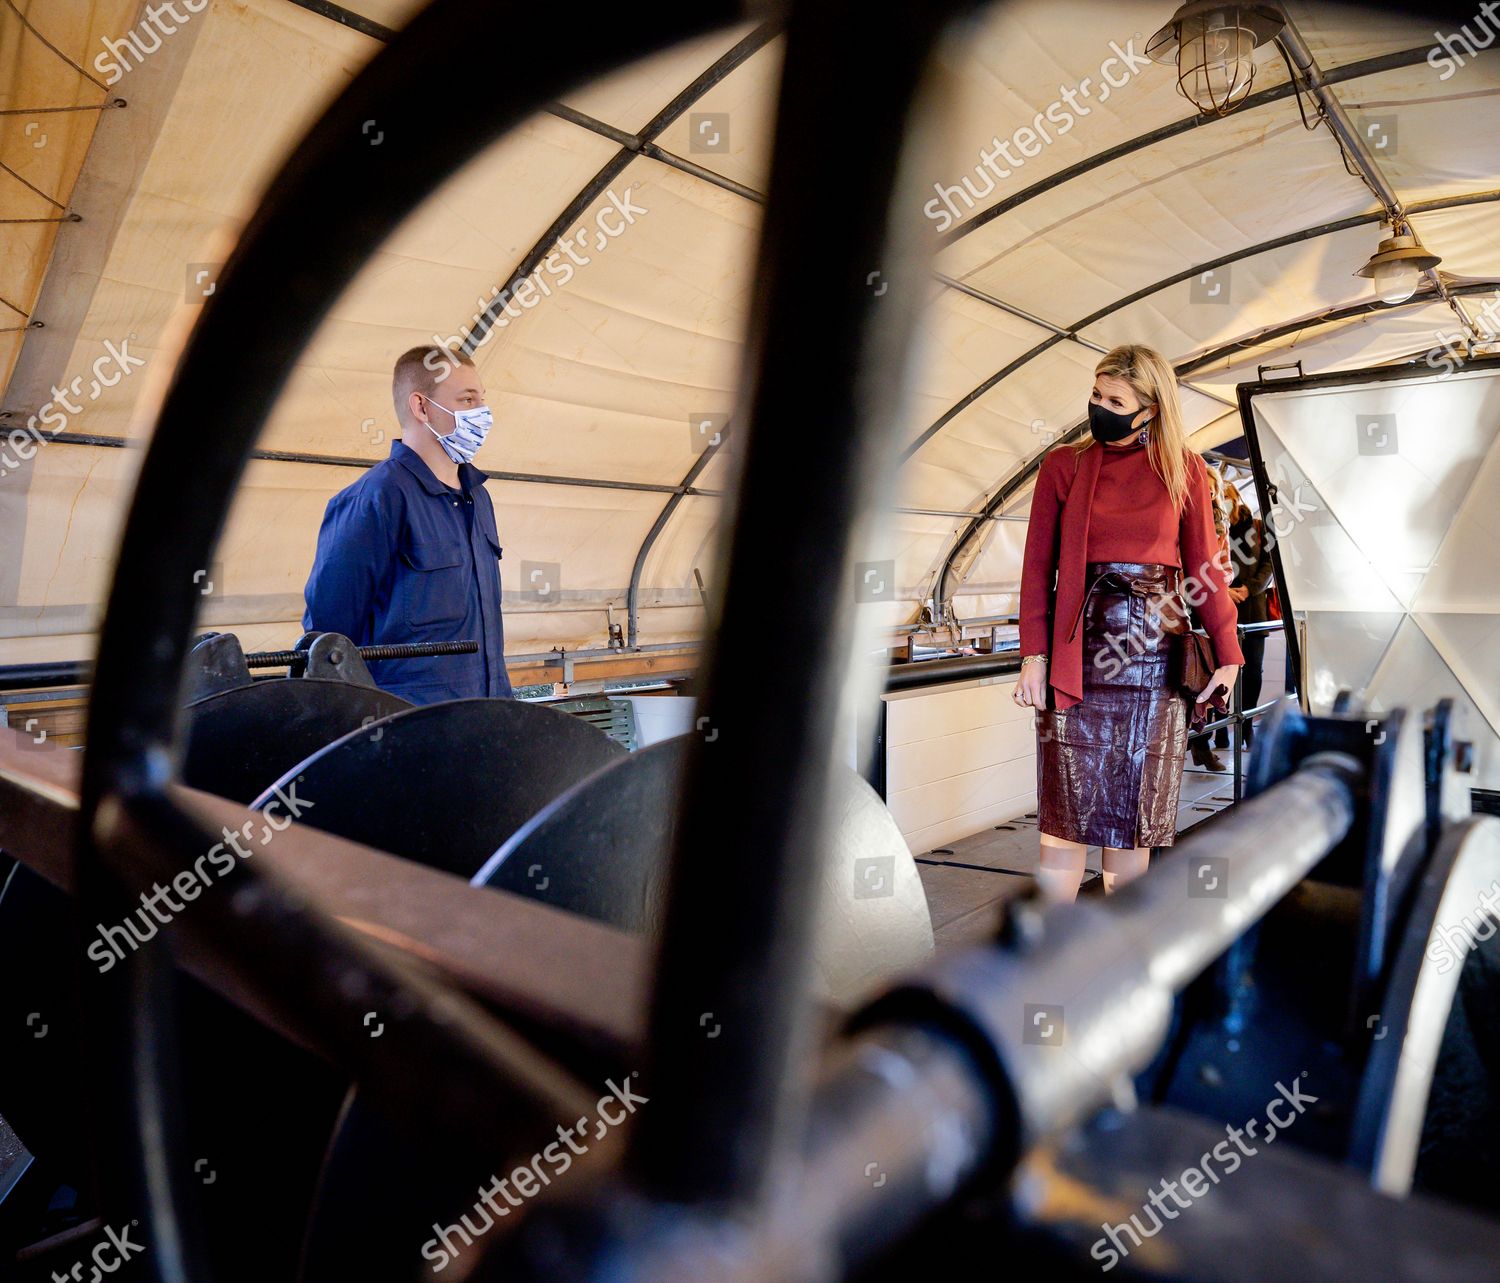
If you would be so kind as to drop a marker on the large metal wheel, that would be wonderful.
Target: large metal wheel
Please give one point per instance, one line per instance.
(1430, 1098)
(398, 784)
(826, 347)
(239, 741)
(728, 1111)
(873, 921)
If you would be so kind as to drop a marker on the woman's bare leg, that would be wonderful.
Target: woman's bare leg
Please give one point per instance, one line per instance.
(1124, 864)
(1061, 870)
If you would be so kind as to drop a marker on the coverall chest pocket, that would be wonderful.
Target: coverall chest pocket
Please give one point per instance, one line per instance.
(435, 582)
(486, 519)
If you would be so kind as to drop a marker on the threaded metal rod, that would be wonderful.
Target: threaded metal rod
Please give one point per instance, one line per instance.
(414, 650)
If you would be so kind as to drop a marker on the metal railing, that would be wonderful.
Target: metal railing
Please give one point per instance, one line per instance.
(1238, 715)
(915, 674)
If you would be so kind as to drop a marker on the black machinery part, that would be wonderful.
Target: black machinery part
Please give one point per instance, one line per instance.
(445, 784)
(737, 933)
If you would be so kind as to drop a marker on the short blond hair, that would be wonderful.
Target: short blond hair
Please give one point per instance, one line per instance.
(421, 369)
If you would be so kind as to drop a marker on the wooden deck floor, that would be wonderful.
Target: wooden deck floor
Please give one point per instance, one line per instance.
(967, 881)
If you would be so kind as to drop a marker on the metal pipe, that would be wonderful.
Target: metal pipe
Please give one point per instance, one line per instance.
(1338, 120)
(733, 58)
(960, 668)
(1225, 260)
(1235, 716)
(600, 652)
(350, 461)
(953, 283)
(371, 654)
(346, 18)
(1358, 149)
(936, 1081)
(701, 172)
(68, 672)
(633, 593)
(951, 512)
(971, 620)
(968, 399)
(1103, 975)
(1108, 969)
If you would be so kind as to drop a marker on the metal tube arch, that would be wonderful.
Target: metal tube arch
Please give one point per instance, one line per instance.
(1017, 479)
(1354, 71)
(1070, 332)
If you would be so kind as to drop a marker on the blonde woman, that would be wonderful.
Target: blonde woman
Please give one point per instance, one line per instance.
(1121, 519)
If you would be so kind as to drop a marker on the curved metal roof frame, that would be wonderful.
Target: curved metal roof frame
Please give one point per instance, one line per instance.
(643, 144)
(1353, 71)
(1250, 251)
(1019, 477)
(631, 146)
(1331, 112)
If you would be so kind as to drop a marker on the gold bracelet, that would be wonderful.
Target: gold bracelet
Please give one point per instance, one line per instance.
(1026, 659)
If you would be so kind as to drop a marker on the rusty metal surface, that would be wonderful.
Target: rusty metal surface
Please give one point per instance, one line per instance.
(1246, 1212)
(529, 960)
(539, 964)
(38, 804)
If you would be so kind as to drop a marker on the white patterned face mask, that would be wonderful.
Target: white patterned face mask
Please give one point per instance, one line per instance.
(470, 427)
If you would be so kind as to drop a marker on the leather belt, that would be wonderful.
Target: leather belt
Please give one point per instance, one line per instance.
(1140, 585)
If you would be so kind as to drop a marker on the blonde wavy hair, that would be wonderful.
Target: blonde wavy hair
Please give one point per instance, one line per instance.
(1155, 383)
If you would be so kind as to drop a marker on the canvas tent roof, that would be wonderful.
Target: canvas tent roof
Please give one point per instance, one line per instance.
(598, 380)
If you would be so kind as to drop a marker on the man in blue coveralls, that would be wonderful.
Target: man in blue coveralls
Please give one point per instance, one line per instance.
(409, 552)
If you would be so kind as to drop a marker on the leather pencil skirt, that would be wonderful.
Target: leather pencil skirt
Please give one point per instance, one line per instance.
(1109, 769)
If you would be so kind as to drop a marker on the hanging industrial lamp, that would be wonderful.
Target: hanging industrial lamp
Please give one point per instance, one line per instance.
(1212, 46)
(1396, 266)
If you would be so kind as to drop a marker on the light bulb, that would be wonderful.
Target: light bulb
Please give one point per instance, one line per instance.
(1216, 61)
(1395, 282)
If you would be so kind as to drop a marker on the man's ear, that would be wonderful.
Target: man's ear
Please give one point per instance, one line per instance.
(414, 407)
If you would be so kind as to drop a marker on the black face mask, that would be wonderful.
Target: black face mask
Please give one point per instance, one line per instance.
(1107, 425)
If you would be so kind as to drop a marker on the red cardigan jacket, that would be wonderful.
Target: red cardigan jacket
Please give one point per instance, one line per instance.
(1135, 523)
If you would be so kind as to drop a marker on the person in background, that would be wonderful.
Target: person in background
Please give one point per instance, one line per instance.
(1118, 521)
(1203, 755)
(410, 552)
(1252, 576)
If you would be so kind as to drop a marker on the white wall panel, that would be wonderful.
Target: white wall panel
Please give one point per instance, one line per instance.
(958, 758)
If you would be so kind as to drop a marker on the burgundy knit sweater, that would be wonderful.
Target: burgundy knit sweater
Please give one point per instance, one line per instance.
(1106, 503)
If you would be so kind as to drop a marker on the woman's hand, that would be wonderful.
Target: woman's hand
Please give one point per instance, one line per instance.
(1224, 677)
(1031, 686)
